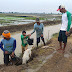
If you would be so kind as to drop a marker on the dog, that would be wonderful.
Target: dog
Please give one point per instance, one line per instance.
(27, 55)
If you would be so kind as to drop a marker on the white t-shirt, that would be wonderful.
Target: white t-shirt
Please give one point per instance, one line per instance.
(64, 22)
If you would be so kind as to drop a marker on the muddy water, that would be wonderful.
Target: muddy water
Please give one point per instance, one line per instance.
(48, 32)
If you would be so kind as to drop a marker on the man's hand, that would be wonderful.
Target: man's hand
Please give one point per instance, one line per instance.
(66, 33)
(41, 35)
(6, 52)
(12, 55)
(29, 34)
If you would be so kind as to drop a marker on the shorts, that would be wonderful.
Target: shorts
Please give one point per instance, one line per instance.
(62, 37)
(24, 48)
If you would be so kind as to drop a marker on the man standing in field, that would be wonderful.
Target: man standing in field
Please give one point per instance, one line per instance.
(65, 27)
(38, 27)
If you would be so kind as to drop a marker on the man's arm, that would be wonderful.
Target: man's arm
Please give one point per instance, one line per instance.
(70, 32)
(22, 37)
(14, 45)
(1, 46)
(42, 28)
(33, 30)
(69, 21)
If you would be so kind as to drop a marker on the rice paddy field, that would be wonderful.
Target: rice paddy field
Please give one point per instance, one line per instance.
(24, 18)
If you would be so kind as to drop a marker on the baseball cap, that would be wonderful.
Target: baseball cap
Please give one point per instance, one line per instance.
(60, 7)
(37, 20)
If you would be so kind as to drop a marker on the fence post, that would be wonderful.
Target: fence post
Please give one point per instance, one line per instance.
(48, 34)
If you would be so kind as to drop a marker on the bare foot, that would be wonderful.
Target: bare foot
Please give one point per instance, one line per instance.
(63, 50)
(59, 49)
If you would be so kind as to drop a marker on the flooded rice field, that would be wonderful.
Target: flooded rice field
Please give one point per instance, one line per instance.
(6, 21)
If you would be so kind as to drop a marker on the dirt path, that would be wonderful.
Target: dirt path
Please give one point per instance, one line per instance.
(59, 62)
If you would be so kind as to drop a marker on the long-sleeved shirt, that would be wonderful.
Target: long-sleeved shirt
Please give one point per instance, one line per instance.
(9, 45)
(66, 21)
(39, 29)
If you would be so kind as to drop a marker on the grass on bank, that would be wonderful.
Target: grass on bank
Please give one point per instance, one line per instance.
(55, 35)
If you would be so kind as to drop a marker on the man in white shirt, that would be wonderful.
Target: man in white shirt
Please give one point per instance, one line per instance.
(65, 27)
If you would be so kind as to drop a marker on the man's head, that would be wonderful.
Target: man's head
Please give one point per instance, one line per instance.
(6, 34)
(61, 8)
(37, 21)
(24, 32)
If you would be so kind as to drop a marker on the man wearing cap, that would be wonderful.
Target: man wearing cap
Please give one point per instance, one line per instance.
(38, 27)
(8, 46)
(65, 27)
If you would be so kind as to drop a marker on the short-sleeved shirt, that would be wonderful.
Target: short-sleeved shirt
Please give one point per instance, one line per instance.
(24, 40)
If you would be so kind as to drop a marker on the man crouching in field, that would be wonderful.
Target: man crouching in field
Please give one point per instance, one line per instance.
(9, 45)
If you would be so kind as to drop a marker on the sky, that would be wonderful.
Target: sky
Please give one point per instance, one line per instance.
(34, 6)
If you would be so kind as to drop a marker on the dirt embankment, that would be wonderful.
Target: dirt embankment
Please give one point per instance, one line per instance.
(15, 28)
(60, 62)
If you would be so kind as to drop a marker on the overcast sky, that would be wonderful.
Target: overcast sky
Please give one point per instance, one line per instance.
(34, 6)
